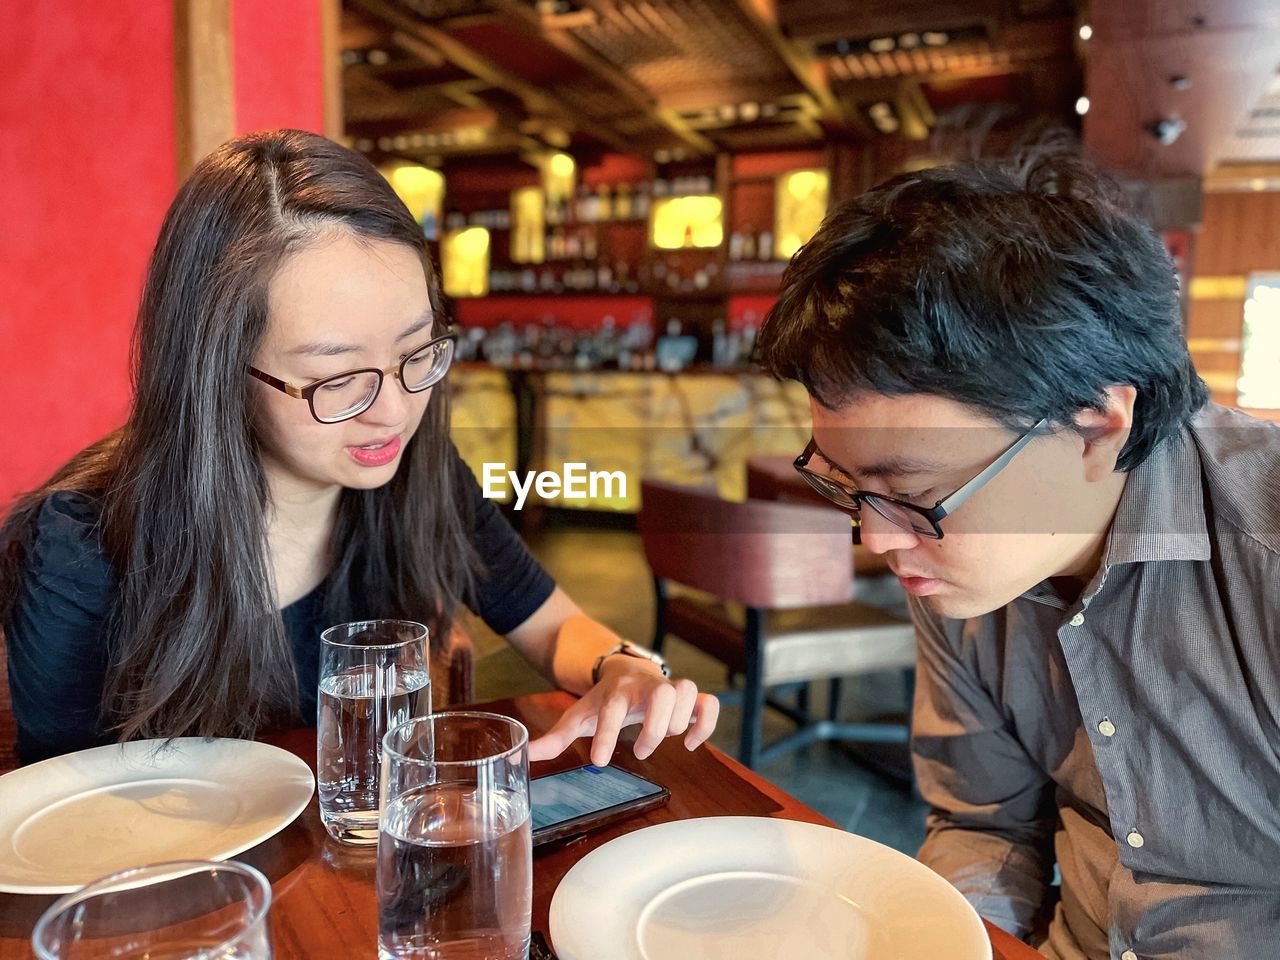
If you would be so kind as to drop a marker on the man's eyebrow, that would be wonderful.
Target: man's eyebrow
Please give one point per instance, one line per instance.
(321, 348)
(889, 467)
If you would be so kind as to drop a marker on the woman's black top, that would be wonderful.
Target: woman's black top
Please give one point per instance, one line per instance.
(55, 637)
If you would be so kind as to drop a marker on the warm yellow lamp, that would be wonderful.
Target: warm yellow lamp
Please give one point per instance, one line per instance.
(528, 225)
(800, 205)
(464, 256)
(421, 189)
(692, 221)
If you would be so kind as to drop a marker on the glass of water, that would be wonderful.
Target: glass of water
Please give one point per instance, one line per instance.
(455, 857)
(373, 677)
(189, 910)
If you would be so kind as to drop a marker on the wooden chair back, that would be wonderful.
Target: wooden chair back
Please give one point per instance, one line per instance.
(763, 554)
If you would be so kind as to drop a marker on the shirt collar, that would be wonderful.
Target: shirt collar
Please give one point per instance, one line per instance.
(1161, 511)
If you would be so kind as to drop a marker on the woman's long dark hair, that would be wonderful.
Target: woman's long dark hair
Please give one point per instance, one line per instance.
(196, 644)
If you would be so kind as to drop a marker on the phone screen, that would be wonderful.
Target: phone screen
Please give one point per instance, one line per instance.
(582, 791)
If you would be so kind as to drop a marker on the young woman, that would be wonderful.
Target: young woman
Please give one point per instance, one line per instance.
(286, 466)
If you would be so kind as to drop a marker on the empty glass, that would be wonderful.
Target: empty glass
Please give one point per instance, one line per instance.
(188, 910)
(373, 677)
(455, 856)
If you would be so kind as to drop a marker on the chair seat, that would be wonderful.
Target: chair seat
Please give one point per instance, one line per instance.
(811, 643)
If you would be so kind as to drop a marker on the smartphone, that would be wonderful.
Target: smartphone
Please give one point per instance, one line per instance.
(575, 801)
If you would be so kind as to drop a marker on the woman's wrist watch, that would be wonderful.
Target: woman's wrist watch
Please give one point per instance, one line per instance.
(629, 649)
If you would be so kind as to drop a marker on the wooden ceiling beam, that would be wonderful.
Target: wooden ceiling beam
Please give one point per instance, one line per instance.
(436, 121)
(762, 15)
(633, 92)
(425, 52)
(536, 100)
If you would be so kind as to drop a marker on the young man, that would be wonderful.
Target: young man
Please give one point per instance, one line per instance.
(1002, 395)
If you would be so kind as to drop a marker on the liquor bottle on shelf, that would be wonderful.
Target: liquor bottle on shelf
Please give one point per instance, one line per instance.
(604, 204)
(622, 202)
(764, 249)
(748, 242)
(735, 245)
(624, 278)
(641, 201)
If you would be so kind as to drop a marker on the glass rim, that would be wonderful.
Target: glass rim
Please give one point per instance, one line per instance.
(324, 635)
(389, 751)
(135, 878)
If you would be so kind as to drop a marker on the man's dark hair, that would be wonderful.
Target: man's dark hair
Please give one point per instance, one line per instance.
(1022, 291)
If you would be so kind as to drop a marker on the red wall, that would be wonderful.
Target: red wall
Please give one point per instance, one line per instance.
(277, 65)
(87, 170)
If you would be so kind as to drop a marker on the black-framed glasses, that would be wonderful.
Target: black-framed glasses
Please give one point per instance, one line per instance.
(349, 394)
(924, 521)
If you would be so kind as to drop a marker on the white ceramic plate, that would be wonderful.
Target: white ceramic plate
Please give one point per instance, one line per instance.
(71, 819)
(753, 888)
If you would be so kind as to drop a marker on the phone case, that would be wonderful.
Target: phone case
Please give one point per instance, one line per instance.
(577, 826)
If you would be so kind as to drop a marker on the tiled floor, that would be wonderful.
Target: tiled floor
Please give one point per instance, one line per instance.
(605, 572)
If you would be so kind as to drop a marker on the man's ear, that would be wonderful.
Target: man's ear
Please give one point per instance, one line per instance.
(1105, 433)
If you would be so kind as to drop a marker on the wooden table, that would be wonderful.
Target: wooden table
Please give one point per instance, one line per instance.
(324, 904)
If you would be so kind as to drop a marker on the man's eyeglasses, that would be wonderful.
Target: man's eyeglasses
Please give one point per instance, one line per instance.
(347, 395)
(923, 521)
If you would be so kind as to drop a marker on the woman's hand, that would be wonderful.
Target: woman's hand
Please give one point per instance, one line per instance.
(631, 691)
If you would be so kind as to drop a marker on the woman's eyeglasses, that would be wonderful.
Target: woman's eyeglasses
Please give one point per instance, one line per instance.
(347, 395)
(923, 521)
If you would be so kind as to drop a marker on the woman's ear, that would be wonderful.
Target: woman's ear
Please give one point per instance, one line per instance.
(1105, 433)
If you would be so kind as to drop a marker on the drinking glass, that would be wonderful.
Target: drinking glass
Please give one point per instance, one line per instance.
(455, 855)
(187, 910)
(373, 677)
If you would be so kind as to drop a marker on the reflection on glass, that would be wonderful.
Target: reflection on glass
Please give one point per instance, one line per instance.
(422, 191)
(1259, 383)
(558, 170)
(464, 261)
(692, 221)
(528, 225)
(800, 205)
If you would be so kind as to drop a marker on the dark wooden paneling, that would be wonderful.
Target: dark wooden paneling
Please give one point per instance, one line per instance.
(1240, 234)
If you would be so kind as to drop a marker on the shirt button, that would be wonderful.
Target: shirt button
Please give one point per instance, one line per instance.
(1107, 728)
(1077, 620)
(1135, 839)
(1128, 955)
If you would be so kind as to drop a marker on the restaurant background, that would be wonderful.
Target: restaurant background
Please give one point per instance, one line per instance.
(612, 190)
